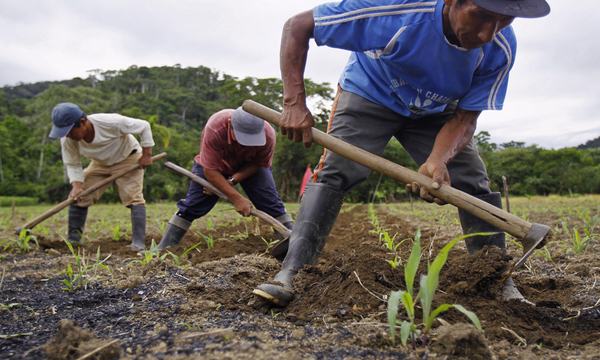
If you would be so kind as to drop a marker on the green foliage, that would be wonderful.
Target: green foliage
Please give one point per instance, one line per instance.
(22, 244)
(428, 284)
(19, 200)
(81, 278)
(576, 243)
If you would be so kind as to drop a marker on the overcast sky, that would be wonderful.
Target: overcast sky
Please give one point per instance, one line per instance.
(553, 96)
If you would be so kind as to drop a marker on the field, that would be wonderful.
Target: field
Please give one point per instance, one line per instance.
(103, 300)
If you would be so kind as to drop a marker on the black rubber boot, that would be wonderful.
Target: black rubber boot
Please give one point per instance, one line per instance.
(77, 216)
(472, 224)
(178, 226)
(320, 207)
(138, 227)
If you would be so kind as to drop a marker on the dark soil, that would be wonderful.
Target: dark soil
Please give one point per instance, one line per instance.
(204, 308)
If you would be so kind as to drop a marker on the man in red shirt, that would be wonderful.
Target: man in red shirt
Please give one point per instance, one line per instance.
(236, 147)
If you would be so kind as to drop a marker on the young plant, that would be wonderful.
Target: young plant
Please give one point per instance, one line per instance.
(577, 244)
(22, 243)
(162, 226)
(426, 294)
(116, 232)
(148, 255)
(177, 259)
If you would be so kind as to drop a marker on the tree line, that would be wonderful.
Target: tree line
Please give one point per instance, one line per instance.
(178, 101)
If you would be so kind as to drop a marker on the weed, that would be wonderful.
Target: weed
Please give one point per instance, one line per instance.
(429, 285)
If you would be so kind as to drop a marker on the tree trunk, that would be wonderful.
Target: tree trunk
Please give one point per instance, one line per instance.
(39, 174)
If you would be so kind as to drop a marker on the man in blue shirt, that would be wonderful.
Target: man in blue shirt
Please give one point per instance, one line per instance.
(419, 70)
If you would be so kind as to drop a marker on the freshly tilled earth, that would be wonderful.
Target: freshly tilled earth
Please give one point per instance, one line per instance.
(203, 306)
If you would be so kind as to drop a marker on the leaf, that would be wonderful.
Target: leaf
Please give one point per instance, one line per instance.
(471, 315)
(410, 270)
(434, 314)
(405, 330)
(393, 302)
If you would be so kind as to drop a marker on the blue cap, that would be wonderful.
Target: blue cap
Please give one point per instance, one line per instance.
(64, 115)
(249, 130)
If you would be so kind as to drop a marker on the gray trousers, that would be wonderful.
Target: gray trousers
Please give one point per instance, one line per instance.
(370, 127)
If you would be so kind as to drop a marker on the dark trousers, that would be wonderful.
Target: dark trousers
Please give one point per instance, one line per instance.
(259, 187)
(370, 127)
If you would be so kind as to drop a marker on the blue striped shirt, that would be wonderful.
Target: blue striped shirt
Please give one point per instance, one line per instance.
(401, 59)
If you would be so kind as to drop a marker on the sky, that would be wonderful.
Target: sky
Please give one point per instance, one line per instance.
(553, 98)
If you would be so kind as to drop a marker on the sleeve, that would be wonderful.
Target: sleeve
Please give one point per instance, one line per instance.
(490, 81)
(139, 127)
(358, 25)
(71, 160)
(211, 150)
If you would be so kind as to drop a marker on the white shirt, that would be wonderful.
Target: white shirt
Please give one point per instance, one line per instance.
(113, 142)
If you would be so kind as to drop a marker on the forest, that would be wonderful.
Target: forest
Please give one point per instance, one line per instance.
(178, 101)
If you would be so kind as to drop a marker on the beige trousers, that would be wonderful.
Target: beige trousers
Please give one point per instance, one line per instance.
(130, 185)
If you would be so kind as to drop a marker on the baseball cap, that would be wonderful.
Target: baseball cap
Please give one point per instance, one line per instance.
(249, 130)
(518, 8)
(64, 115)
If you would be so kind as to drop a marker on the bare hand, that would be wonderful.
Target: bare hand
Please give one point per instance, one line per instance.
(439, 174)
(145, 161)
(77, 189)
(296, 123)
(243, 206)
(208, 192)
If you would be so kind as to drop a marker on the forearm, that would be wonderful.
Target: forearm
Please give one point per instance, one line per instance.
(296, 35)
(245, 172)
(219, 181)
(454, 136)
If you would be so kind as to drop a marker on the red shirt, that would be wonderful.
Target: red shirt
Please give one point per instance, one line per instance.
(218, 151)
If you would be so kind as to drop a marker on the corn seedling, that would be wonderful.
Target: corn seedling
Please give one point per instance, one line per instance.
(590, 222)
(191, 326)
(117, 233)
(148, 255)
(22, 243)
(177, 259)
(429, 285)
(162, 226)
(577, 244)
(545, 253)
(270, 243)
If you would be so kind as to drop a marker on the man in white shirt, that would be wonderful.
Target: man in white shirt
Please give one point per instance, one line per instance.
(106, 139)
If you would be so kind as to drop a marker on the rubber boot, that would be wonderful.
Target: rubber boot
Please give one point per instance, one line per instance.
(77, 216)
(472, 224)
(138, 227)
(320, 207)
(178, 226)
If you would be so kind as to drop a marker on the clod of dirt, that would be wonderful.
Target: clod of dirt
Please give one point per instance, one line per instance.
(462, 340)
(72, 342)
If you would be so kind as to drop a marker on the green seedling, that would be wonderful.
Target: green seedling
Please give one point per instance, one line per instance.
(270, 243)
(22, 244)
(426, 294)
(117, 233)
(162, 226)
(210, 241)
(148, 255)
(576, 244)
(545, 253)
(177, 259)
(190, 326)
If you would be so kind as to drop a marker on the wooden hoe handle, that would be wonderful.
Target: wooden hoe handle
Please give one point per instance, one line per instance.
(254, 212)
(503, 220)
(31, 224)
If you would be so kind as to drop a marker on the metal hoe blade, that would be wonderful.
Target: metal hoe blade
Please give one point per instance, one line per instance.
(536, 238)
